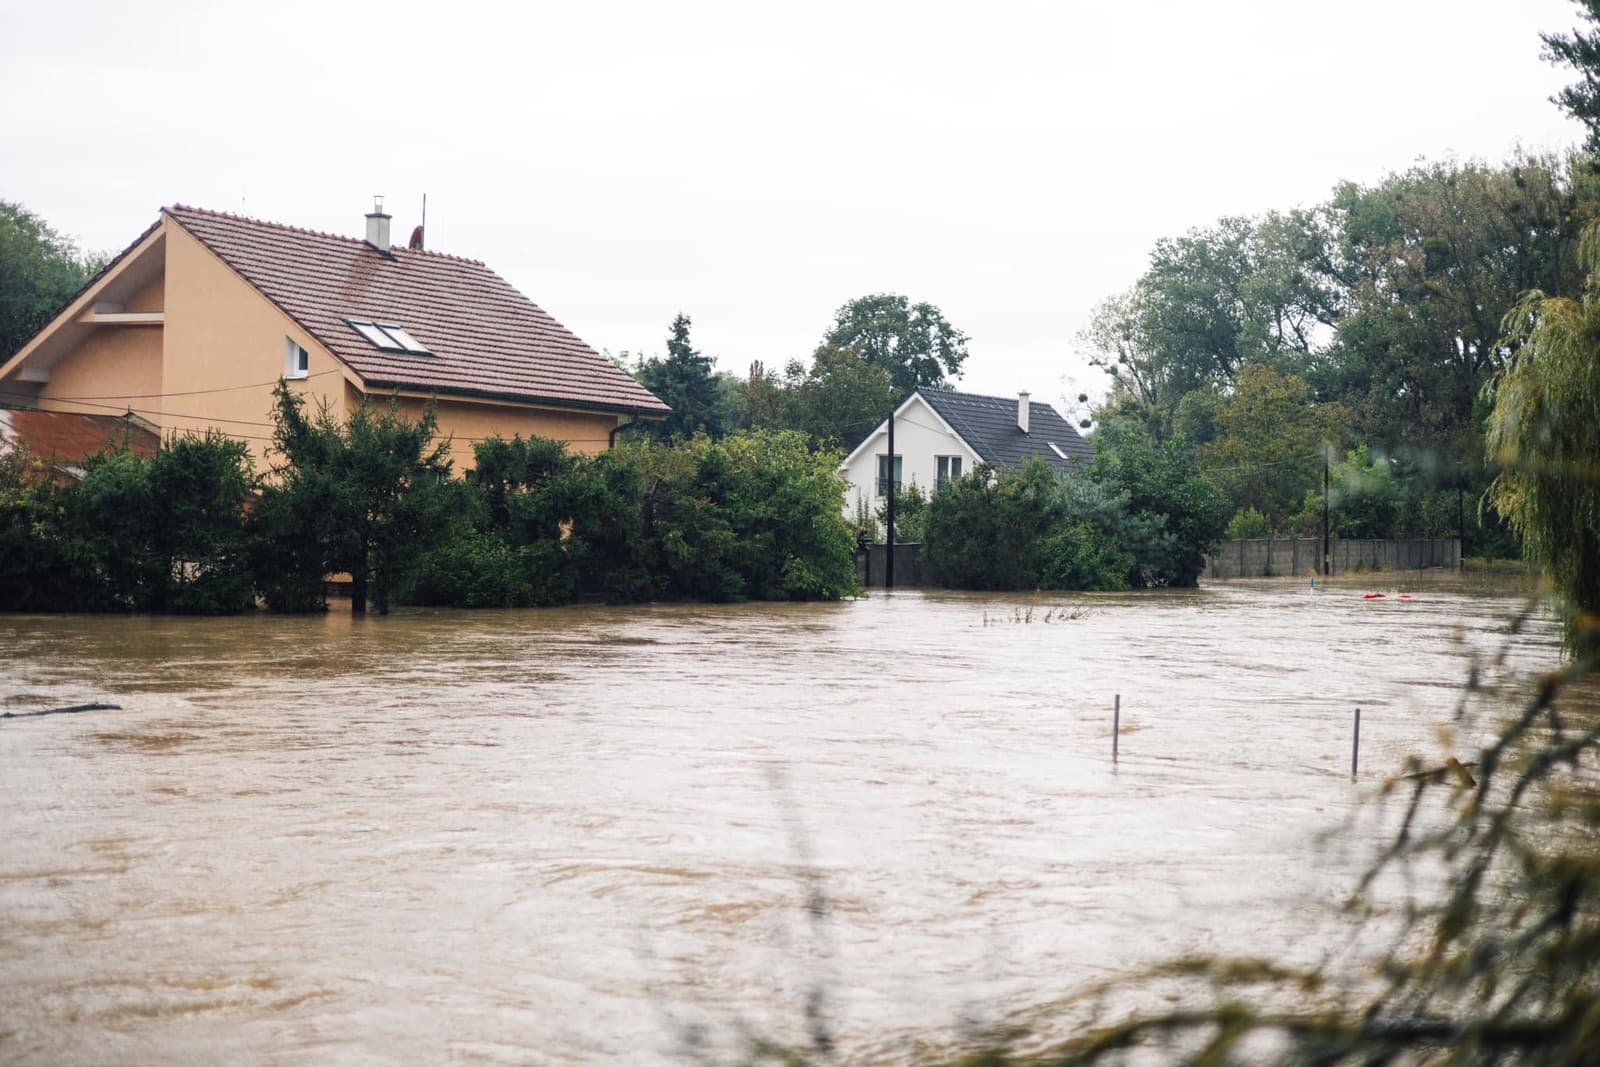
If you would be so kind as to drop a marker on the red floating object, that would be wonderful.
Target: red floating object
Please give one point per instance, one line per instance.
(1371, 596)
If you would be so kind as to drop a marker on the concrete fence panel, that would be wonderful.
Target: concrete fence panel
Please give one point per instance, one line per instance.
(1278, 557)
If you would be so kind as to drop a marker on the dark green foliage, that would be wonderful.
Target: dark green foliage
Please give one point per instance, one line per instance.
(1174, 516)
(913, 343)
(838, 399)
(474, 569)
(38, 571)
(684, 381)
(1079, 556)
(1381, 306)
(910, 514)
(166, 534)
(1139, 515)
(987, 530)
(754, 516)
(368, 498)
(40, 270)
(1580, 50)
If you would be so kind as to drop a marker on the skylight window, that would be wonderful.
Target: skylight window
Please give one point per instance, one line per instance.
(387, 336)
(1056, 449)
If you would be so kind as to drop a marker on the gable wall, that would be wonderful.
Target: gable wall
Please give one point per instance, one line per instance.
(225, 348)
(118, 367)
(919, 436)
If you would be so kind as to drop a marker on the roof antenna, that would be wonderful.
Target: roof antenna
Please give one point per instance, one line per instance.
(416, 234)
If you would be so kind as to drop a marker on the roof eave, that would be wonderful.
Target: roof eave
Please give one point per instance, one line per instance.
(520, 398)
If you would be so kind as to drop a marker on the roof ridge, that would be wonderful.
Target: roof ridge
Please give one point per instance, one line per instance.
(984, 396)
(314, 233)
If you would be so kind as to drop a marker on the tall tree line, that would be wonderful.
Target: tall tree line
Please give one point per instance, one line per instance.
(1370, 322)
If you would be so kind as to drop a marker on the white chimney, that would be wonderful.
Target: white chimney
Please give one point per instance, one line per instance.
(1022, 412)
(378, 226)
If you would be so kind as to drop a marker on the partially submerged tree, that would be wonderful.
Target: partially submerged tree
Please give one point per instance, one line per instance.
(362, 498)
(1545, 435)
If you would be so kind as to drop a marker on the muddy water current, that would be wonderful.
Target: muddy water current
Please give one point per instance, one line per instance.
(590, 835)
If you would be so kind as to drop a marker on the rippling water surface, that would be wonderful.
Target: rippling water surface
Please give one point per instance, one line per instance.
(582, 835)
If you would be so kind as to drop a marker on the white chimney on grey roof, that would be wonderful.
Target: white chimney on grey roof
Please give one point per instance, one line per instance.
(378, 226)
(1022, 412)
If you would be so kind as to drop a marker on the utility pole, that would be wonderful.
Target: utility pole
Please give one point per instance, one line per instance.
(1326, 558)
(888, 569)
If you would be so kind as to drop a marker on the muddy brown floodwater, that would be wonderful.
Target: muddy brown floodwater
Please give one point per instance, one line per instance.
(582, 835)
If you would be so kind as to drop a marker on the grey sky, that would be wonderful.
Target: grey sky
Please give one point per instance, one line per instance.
(754, 165)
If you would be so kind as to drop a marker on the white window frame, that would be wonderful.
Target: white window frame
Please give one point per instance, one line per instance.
(946, 469)
(296, 360)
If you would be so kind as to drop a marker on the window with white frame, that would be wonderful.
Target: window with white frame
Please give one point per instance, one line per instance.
(296, 362)
(883, 474)
(946, 470)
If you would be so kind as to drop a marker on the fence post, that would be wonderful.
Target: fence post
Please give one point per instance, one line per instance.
(1355, 746)
(1116, 725)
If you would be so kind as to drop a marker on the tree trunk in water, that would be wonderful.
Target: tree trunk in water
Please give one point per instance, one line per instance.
(358, 594)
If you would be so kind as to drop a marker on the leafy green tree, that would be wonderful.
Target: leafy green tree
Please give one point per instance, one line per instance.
(1174, 516)
(685, 382)
(1365, 500)
(1248, 523)
(987, 530)
(1545, 435)
(759, 401)
(40, 270)
(910, 514)
(166, 534)
(1433, 259)
(839, 399)
(913, 343)
(1270, 436)
(756, 516)
(39, 570)
(364, 498)
(1244, 291)
(1580, 50)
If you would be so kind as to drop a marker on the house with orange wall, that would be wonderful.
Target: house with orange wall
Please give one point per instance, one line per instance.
(190, 328)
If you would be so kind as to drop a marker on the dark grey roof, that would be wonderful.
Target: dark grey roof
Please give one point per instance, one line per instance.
(989, 425)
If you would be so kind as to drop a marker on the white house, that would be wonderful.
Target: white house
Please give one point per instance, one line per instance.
(939, 435)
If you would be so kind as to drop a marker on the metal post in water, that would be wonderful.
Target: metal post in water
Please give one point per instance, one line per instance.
(888, 570)
(1355, 746)
(1327, 565)
(1116, 724)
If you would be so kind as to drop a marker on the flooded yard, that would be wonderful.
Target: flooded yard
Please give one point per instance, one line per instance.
(587, 834)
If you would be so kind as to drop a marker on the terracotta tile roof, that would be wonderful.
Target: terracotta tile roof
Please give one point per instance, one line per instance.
(65, 439)
(485, 338)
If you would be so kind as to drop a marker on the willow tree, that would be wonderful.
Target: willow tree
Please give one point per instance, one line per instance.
(1544, 433)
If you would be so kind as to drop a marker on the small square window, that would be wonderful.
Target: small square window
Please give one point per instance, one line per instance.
(296, 361)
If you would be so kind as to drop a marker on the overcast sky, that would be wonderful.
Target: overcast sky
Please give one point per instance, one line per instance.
(757, 165)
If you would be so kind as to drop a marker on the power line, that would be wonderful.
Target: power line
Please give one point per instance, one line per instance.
(191, 392)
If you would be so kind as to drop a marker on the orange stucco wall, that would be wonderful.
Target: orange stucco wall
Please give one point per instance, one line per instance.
(467, 423)
(117, 367)
(225, 349)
